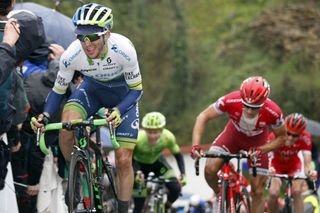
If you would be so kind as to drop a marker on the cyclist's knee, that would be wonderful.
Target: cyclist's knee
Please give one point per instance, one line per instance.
(296, 192)
(124, 159)
(274, 192)
(257, 191)
(210, 171)
(212, 167)
(174, 190)
(273, 195)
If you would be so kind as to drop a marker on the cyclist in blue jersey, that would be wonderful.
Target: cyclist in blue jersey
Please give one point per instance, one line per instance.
(112, 80)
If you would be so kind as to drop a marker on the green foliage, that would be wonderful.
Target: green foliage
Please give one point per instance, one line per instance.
(193, 52)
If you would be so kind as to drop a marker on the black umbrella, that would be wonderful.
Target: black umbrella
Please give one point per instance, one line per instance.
(313, 127)
(58, 27)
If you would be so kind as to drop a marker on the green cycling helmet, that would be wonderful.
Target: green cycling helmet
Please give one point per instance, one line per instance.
(153, 120)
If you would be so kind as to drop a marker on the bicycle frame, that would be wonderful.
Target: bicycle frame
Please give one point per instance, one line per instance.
(84, 143)
(227, 200)
(155, 201)
(288, 205)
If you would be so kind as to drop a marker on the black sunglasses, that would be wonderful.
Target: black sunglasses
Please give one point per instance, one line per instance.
(90, 37)
(251, 107)
(292, 135)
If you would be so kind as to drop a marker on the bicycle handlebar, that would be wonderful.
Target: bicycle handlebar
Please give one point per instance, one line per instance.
(286, 177)
(289, 177)
(226, 156)
(71, 125)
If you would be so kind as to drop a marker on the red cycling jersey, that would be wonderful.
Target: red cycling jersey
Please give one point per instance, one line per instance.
(270, 114)
(242, 133)
(285, 160)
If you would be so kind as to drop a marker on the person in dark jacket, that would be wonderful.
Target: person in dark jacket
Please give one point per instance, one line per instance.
(9, 36)
(28, 163)
(13, 102)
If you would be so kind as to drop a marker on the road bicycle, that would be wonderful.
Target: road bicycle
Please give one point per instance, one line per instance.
(230, 199)
(87, 165)
(288, 199)
(156, 199)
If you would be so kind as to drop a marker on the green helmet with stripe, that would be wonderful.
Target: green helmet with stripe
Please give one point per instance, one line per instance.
(153, 120)
(95, 15)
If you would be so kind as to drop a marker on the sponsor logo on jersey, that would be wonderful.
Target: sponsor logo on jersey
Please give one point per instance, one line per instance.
(135, 124)
(61, 81)
(288, 152)
(116, 49)
(107, 75)
(262, 124)
(87, 70)
(272, 112)
(233, 100)
(67, 62)
(131, 75)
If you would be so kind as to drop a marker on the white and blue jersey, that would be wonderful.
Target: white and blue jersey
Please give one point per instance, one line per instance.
(114, 80)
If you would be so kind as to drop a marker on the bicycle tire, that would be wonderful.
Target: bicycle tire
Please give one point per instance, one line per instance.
(244, 201)
(79, 160)
(149, 204)
(162, 207)
(111, 189)
(224, 197)
(288, 206)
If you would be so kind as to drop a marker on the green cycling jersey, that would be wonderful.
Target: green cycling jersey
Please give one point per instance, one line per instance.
(147, 153)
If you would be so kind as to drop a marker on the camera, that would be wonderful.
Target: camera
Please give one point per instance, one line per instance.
(2, 25)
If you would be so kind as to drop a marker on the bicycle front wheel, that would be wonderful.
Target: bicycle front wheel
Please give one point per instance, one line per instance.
(224, 194)
(80, 191)
(243, 203)
(288, 206)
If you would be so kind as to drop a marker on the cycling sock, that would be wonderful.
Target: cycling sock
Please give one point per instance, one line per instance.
(123, 206)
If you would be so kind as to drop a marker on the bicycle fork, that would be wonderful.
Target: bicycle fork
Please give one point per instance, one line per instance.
(225, 195)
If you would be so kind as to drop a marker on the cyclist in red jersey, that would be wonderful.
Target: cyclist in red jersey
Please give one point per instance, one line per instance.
(251, 114)
(285, 160)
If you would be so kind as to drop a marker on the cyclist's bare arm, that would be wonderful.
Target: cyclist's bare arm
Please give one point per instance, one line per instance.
(280, 137)
(307, 158)
(202, 119)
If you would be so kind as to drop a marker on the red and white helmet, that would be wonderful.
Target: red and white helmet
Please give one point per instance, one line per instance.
(254, 91)
(295, 123)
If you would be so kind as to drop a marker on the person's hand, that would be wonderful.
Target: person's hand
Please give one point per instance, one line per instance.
(183, 180)
(56, 51)
(16, 148)
(11, 32)
(313, 175)
(196, 151)
(254, 152)
(114, 116)
(33, 190)
(272, 170)
(39, 122)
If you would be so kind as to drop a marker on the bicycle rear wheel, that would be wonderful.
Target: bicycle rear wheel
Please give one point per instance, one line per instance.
(80, 191)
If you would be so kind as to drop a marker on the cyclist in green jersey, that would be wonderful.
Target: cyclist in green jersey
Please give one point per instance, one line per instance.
(147, 157)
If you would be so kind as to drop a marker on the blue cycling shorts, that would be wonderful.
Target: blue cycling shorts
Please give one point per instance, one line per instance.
(91, 95)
